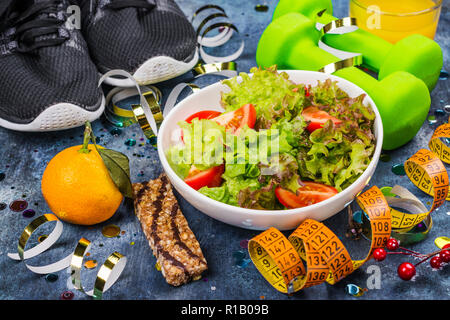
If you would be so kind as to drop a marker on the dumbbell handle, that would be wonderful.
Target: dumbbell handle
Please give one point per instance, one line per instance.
(306, 55)
(375, 48)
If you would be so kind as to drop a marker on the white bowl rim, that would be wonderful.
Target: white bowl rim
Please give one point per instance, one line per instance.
(284, 212)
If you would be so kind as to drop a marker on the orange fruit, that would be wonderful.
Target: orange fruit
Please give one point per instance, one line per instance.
(78, 188)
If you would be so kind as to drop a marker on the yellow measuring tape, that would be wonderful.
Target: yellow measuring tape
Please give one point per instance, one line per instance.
(279, 259)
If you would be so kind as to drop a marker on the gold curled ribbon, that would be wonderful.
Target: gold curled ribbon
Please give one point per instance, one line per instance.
(279, 259)
(106, 276)
(126, 112)
(352, 61)
(108, 273)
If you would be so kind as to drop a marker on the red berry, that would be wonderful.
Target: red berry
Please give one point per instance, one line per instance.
(445, 255)
(436, 262)
(392, 244)
(446, 246)
(406, 271)
(379, 254)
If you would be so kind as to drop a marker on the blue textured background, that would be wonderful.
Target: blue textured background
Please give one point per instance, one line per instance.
(24, 156)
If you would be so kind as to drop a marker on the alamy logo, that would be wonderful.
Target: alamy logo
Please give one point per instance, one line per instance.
(374, 280)
(74, 19)
(374, 17)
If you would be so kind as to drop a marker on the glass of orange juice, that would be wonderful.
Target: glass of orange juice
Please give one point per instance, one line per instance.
(395, 19)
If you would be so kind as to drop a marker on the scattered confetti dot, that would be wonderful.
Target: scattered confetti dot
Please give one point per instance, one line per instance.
(439, 112)
(122, 232)
(213, 288)
(2, 175)
(387, 191)
(110, 231)
(157, 266)
(51, 277)
(447, 108)
(87, 254)
(354, 290)
(90, 264)
(3, 206)
(385, 157)
(262, 297)
(116, 132)
(261, 7)
(205, 279)
(42, 237)
(132, 243)
(67, 295)
(243, 263)
(130, 142)
(399, 169)
(152, 141)
(432, 120)
(18, 205)
(443, 75)
(29, 213)
(238, 255)
(357, 216)
(420, 227)
(244, 244)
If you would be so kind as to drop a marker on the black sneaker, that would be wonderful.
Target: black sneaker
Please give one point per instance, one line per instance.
(48, 81)
(150, 39)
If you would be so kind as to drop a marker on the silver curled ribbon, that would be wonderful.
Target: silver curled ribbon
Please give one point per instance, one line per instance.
(148, 113)
(107, 275)
(348, 59)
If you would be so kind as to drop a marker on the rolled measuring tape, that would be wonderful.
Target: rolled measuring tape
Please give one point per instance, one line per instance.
(279, 259)
(107, 275)
(427, 172)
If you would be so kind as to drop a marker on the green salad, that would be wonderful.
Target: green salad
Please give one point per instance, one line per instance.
(277, 145)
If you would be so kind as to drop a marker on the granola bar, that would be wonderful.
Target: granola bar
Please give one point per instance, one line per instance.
(172, 241)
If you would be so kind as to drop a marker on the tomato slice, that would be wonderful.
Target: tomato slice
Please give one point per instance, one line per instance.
(211, 177)
(205, 114)
(317, 118)
(233, 121)
(309, 194)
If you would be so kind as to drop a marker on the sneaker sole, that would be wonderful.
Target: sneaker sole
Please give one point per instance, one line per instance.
(156, 69)
(57, 117)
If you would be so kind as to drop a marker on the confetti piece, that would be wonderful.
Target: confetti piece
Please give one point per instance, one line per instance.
(440, 242)
(18, 205)
(90, 264)
(130, 142)
(261, 7)
(67, 295)
(110, 231)
(51, 277)
(244, 244)
(385, 157)
(399, 169)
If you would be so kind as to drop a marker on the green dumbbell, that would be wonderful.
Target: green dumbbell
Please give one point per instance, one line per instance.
(402, 99)
(415, 54)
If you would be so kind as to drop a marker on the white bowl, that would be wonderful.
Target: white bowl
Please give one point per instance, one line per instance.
(209, 99)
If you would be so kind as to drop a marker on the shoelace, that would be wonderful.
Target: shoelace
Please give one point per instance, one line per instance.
(121, 4)
(36, 25)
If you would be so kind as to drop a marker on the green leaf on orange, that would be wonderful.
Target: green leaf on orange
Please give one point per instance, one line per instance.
(118, 166)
